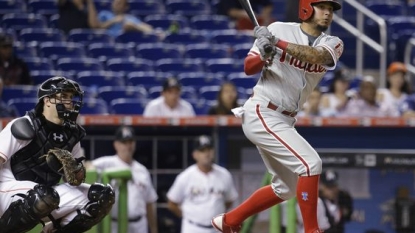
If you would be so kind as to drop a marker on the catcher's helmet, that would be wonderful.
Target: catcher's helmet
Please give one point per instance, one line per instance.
(57, 85)
(306, 7)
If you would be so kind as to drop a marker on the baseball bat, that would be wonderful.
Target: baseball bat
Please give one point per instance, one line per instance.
(247, 7)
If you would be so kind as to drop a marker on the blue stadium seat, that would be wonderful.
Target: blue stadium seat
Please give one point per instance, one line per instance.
(399, 40)
(41, 35)
(326, 81)
(53, 21)
(94, 107)
(22, 105)
(105, 51)
(186, 37)
(143, 8)
(154, 92)
(39, 76)
(202, 107)
(241, 50)
(146, 78)
(55, 50)
(129, 64)
(224, 65)
(19, 91)
(87, 36)
(178, 65)
(125, 106)
(386, 8)
(36, 63)
(101, 5)
(23, 50)
(209, 92)
(100, 78)
(207, 51)
(7, 6)
(188, 7)
(156, 51)
(211, 22)
(231, 37)
(109, 93)
(400, 23)
(167, 21)
(199, 79)
(18, 21)
(190, 94)
(137, 38)
(44, 7)
(240, 79)
(76, 65)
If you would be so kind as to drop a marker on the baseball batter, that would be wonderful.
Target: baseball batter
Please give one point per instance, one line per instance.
(202, 191)
(302, 55)
(141, 193)
(29, 189)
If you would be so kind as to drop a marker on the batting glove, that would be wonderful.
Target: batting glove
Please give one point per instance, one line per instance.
(261, 43)
(261, 31)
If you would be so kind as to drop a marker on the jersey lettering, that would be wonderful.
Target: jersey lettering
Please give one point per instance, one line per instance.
(309, 68)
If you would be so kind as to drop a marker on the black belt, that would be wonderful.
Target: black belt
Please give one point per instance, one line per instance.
(275, 107)
(136, 219)
(200, 225)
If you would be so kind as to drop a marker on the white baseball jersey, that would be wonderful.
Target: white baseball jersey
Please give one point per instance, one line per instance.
(71, 198)
(140, 191)
(158, 108)
(202, 196)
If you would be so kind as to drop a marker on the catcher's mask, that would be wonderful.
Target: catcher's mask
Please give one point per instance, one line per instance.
(306, 10)
(60, 85)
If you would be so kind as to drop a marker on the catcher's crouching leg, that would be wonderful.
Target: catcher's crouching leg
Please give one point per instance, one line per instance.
(101, 198)
(24, 214)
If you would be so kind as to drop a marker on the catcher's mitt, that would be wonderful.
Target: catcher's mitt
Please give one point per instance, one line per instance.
(64, 163)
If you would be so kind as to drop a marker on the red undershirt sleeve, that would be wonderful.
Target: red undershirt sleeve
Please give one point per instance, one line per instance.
(253, 64)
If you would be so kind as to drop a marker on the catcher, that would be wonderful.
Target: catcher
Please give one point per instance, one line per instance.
(36, 151)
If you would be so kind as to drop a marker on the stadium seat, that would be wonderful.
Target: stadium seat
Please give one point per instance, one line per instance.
(146, 78)
(55, 50)
(129, 64)
(231, 37)
(22, 50)
(110, 93)
(7, 6)
(224, 65)
(41, 35)
(200, 79)
(22, 105)
(190, 94)
(127, 106)
(105, 51)
(211, 22)
(241, 50)
(53, 21)
(19, 91)
(156, 51)
(176, 66)
(100, 78)
(186, 37)
(87, 36)
(165, 22)
(202, 107)
(101, 5)
(207, 51)
(43, 7)
(39, 76)
(18, 21)
(154, 92)
(386, 8)
(400, 23)
(137, 38)
(240, 79)
(143, 8)
(76, 65)
(209, 92)
(36, 63)
(188, 7)
(94, 107)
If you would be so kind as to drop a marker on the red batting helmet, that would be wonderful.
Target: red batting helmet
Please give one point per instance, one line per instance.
(306, 7)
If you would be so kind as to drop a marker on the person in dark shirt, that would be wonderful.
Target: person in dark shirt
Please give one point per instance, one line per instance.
(77, 14)
(13, 70)
(226, 100)
(5, 110)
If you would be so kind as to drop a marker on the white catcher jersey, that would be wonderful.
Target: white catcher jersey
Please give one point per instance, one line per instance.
(140, 188)
(287, 82)
(202, 196)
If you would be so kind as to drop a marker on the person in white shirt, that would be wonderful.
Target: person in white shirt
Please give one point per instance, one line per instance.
(202, 191)
(141, 194)
(169, 104)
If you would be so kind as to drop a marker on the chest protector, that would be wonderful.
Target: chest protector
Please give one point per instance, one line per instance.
(29, 163)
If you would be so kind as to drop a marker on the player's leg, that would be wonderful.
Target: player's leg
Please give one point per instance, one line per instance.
(82, 207)
(24, 204)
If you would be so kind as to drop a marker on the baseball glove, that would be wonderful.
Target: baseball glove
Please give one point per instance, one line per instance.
(64, 163)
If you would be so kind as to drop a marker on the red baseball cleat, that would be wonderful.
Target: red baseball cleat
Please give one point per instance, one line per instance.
(218, 223)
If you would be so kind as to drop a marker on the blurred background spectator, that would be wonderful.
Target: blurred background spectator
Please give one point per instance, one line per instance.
(227, 100)
(6, 110)
(312, 105)
(404, 208)
(337, 96)
(13, 70)
(77, 14)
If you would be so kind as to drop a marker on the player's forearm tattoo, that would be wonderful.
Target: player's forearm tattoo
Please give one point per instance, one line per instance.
(312, 55)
